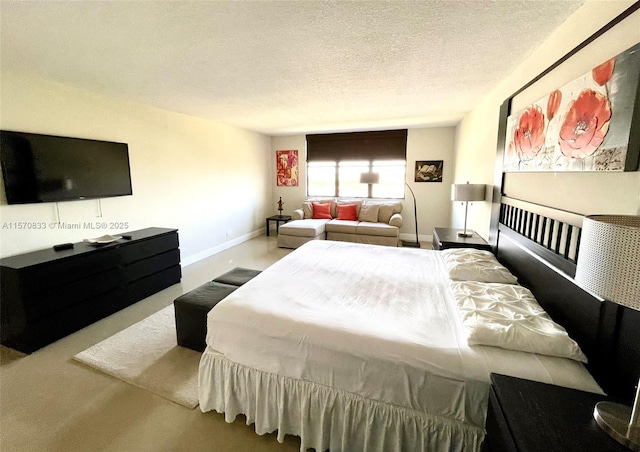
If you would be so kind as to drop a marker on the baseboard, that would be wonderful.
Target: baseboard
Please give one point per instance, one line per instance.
(184, 262)
(424, 239)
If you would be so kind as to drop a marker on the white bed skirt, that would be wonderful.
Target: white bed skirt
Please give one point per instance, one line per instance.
(324, 418)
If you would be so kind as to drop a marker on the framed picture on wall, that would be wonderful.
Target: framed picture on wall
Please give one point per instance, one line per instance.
(585, 125)
(428, 171)
(287, 168)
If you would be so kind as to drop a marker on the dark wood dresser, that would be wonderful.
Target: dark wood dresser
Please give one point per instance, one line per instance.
(49, 294)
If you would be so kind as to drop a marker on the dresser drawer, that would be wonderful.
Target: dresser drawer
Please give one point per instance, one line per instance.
(154, 264)
(58, 298)
(145, 248)
(58, 273)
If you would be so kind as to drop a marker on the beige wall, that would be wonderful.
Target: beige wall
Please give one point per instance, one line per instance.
(211, 181)
(432, 199)
(585, 193)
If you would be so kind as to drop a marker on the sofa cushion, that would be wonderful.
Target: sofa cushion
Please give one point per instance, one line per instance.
(343, 226)
(357, 202)
(387, 209)
(369, 212)
(396, 220)
(347, 212)
(303, 228)
(321, 211)
(378, 229)
(307, 210)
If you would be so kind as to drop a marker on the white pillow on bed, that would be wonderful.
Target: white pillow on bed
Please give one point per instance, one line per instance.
(468, 264)
(508, 316)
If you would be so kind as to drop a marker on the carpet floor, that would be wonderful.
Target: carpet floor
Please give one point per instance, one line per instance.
(146, 355)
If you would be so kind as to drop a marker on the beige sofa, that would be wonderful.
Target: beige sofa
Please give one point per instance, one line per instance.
(378, 223)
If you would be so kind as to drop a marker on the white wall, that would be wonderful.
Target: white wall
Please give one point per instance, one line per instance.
(209, 180)
(586, 193)
(432, 198)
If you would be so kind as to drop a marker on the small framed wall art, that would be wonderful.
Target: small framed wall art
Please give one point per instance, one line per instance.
(428, 171)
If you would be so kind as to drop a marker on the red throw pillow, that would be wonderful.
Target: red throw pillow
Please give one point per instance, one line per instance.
(321, 211)
(348, 212)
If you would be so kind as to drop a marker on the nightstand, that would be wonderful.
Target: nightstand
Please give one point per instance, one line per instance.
(444, 238)
(278, 219)
(526, 415)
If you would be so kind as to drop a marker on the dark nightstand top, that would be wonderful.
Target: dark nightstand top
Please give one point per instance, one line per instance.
(280, 217)
(544, 417)
(444, 238)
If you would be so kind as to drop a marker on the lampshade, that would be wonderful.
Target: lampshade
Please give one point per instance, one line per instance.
(609, 266)
(467, 192)
(369, 178)
(609, 258)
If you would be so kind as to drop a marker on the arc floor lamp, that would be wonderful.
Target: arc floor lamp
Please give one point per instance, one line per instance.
(374, 178)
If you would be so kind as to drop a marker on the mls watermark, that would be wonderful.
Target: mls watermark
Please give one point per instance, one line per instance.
(64, 225)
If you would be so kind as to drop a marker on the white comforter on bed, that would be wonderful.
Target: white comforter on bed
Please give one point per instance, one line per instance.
(376, 321)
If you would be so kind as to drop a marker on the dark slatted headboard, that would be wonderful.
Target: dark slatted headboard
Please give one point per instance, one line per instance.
(557, 232)
(540, 246)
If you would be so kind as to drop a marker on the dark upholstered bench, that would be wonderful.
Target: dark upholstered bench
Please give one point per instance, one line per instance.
(192, 308)
(238, 276)
(191, 313)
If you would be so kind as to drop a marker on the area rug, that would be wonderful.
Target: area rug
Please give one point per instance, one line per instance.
(146, 355)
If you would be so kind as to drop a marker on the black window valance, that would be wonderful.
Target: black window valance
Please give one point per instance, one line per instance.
(378, 145)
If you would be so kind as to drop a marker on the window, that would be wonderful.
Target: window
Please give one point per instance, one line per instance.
(349, 179)
(392, 174)
(321, 178)
(336, 161)
(343, 178)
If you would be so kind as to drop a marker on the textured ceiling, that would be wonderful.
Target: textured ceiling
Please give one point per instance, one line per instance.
(281, 67)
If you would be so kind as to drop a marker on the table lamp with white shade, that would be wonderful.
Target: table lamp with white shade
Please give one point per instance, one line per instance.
(609, 266)
(467, 193)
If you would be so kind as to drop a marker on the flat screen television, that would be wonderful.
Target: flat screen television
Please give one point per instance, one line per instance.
(45, 168)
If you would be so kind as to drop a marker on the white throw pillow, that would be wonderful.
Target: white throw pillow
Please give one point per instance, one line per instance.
(508, 316)
(467, 254)
(468, 264)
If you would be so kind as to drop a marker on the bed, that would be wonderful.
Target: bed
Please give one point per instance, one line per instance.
(359, 347)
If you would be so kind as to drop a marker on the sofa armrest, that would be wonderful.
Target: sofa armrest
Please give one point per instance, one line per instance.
(396, 220)
(297, 214)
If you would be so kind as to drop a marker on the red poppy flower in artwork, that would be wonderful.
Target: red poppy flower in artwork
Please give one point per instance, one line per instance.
(601, 74)
(529, 136)
(553, 104)
(585, 124)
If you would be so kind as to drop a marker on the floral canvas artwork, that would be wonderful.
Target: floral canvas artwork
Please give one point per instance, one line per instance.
(583, 126)
(287, 168)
